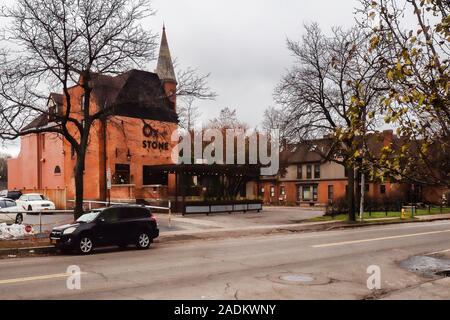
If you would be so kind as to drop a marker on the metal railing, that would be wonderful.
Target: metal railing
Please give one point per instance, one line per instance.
(40, 224)
(168, 209)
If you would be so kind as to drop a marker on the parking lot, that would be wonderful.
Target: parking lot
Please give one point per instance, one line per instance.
(269, 216)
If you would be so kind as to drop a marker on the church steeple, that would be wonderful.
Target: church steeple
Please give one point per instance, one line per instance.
(165, 69)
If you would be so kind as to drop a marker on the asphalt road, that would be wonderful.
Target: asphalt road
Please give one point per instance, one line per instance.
(265, 267)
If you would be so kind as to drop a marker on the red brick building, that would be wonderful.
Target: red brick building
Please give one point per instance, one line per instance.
(135, 137)
(306, 179)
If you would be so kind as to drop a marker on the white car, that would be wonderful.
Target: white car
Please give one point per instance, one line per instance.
(35, 203)
(10, 212)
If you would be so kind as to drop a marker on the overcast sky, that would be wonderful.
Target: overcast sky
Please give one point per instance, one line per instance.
(242, 43)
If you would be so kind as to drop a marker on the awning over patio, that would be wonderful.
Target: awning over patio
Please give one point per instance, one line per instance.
(249, 171)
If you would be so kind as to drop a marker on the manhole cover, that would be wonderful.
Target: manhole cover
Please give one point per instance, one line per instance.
(297, 278)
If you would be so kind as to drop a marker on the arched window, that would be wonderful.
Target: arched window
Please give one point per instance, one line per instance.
(57, 170)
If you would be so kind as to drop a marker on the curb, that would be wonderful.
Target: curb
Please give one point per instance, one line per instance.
(326, 226)
(27, 251)
(230, 233)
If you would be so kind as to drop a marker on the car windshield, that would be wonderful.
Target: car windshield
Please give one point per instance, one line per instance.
(88, 217)
(35, 198)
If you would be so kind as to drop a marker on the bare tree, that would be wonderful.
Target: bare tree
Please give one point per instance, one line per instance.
(332, 91)
(66, 43)
(227, 119)
(188, 113)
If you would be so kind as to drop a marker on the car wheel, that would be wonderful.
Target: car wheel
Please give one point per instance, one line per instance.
(19, 219)
(85, 245)
(143, 241)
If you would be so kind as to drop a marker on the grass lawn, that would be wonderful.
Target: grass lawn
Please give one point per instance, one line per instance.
(378, 215)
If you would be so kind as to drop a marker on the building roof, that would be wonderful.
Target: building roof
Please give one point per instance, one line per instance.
(134, 94)
(165, 69)
(57, 98)
(39, 122)
(318, 150)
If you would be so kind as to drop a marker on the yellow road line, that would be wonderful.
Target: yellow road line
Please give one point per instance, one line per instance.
(38, 278)
(378, 239)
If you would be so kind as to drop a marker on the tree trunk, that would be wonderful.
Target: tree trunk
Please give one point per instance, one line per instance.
(79, 185)
(363, 194)
(351, 193)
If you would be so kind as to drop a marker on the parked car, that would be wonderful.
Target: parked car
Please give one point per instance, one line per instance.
(35, 202)
(10, 212)
(118, 226)
(13, 195)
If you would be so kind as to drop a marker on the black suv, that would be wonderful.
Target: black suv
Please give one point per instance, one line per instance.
(118, 225)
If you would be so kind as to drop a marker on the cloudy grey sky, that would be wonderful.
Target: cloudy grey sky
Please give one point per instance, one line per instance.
(242, 43)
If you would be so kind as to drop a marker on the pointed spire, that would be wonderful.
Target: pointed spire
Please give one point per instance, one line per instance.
(165, 68)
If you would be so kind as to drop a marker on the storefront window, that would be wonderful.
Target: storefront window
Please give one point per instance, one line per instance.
(122, 175)
(283, 191)
(154, 178)
(272, 192)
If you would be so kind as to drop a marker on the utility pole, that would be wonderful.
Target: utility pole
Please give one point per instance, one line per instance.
(363, 156)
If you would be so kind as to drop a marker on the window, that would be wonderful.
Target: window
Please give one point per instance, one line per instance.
(315, 193)
(122, 175)
(299, 193)
(383, 189)
(36, 197)
(263, 191)
(111, 215)
(134, 213)
(309, 171)
(283, 190)
(11, 204)
(272, 192)
(299, 172)
(307, 196)
(330, 192)
(317, 171)
(57, 170)
(155, 178)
